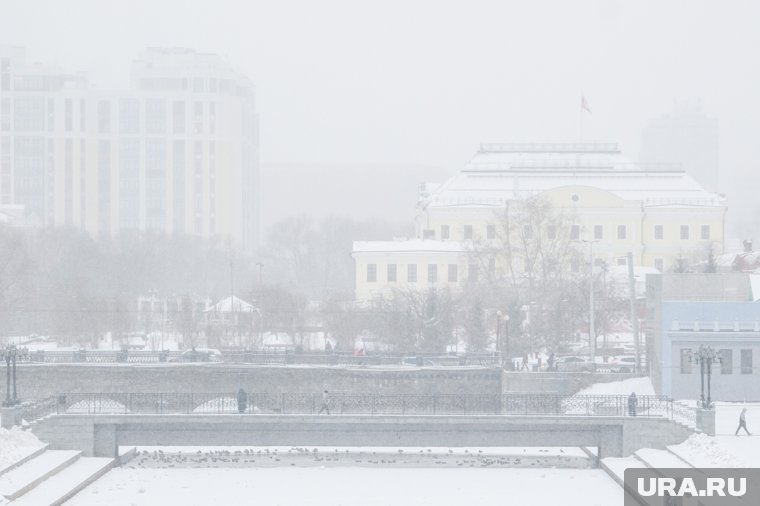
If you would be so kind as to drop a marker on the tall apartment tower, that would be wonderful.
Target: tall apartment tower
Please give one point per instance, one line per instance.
(176, 152)
(687, 137)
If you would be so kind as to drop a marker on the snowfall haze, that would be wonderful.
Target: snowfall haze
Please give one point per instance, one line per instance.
(365, 87)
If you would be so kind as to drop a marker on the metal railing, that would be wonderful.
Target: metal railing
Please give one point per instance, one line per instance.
(515, 404)
(281, 357)
(34, 410)
(287, 357)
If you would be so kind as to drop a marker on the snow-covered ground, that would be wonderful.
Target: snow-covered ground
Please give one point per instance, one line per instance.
(15, 444)
(642, 386)
(351, 486)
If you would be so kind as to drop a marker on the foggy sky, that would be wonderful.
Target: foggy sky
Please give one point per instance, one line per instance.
(425, 82)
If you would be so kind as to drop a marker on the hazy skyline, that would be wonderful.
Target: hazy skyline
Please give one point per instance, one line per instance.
(424, 83)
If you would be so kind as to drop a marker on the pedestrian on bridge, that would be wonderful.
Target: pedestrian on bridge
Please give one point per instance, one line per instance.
(632, 403)
(242, 400)
(743, 423)
(325, 403)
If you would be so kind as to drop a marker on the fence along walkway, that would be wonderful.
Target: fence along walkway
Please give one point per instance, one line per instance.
(365, 404)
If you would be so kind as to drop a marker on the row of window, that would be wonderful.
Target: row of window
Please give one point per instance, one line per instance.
(391, 273)
(725, 365)
(575, 232)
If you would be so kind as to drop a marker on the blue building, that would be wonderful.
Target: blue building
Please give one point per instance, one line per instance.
(686, 311)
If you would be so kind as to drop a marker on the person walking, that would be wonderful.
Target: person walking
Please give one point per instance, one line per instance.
(525, 363)
(242, 400)
(632, 403)
(743, 423)
(325, 403)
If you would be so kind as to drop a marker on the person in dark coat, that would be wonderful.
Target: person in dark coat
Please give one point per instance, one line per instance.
(325, 403)
(743, 423)
(632, 403)
(242, 400)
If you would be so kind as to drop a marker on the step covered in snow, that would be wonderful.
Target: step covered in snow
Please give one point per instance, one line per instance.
(25, 477)
(616, 466)
(660, 459)
(65, 484)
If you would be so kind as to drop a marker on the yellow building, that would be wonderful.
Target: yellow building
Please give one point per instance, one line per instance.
(658, 213)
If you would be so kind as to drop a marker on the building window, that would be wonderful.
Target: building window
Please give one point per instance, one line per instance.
(492, 266)
(411, 273)
(491, 232)
(575, 266)
(468, 232)
(432, 273)
(155, 116)
(685, 361)
(726, 362)
(598, 232)
(746, 361)
(371, 273)
(453, 273)
(444, 232)
(659, 264)
(428, 233)
(472, 272)
(685, 232)
(705, 232)
(391, 273)
(658, 233)
(575, 233)
(178, 117)
(621, 232)
(129, 116)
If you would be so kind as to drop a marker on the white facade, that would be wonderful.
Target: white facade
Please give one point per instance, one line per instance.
(658, 213)
(175, 152)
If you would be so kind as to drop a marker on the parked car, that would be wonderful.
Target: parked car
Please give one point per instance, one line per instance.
(624, 364)
(574, 364)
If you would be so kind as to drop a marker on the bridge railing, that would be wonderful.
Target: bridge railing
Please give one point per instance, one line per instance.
(367, 404)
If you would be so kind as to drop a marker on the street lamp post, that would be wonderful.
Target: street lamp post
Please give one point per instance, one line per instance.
(261, 306)
(11, 355)
(591, 329)
(705, 356)
(497, 349)
(505, 359)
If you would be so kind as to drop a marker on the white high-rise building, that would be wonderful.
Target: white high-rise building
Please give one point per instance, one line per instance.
(177, 151)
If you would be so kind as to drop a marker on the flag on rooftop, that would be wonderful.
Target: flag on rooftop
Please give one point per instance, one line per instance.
(584, 104)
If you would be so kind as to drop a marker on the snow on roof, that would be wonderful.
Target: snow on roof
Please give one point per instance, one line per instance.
(411, 245)
(501, 172)
(231, 305)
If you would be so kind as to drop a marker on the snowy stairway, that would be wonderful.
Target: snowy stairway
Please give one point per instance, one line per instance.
(616, 466)
(34, 471)
(35, 452)
(660, 459)
(66, 483)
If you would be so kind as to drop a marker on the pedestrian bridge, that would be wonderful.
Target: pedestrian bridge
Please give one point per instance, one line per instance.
(102, 434)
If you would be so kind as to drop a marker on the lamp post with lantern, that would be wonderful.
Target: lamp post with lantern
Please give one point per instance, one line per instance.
(705, 356)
